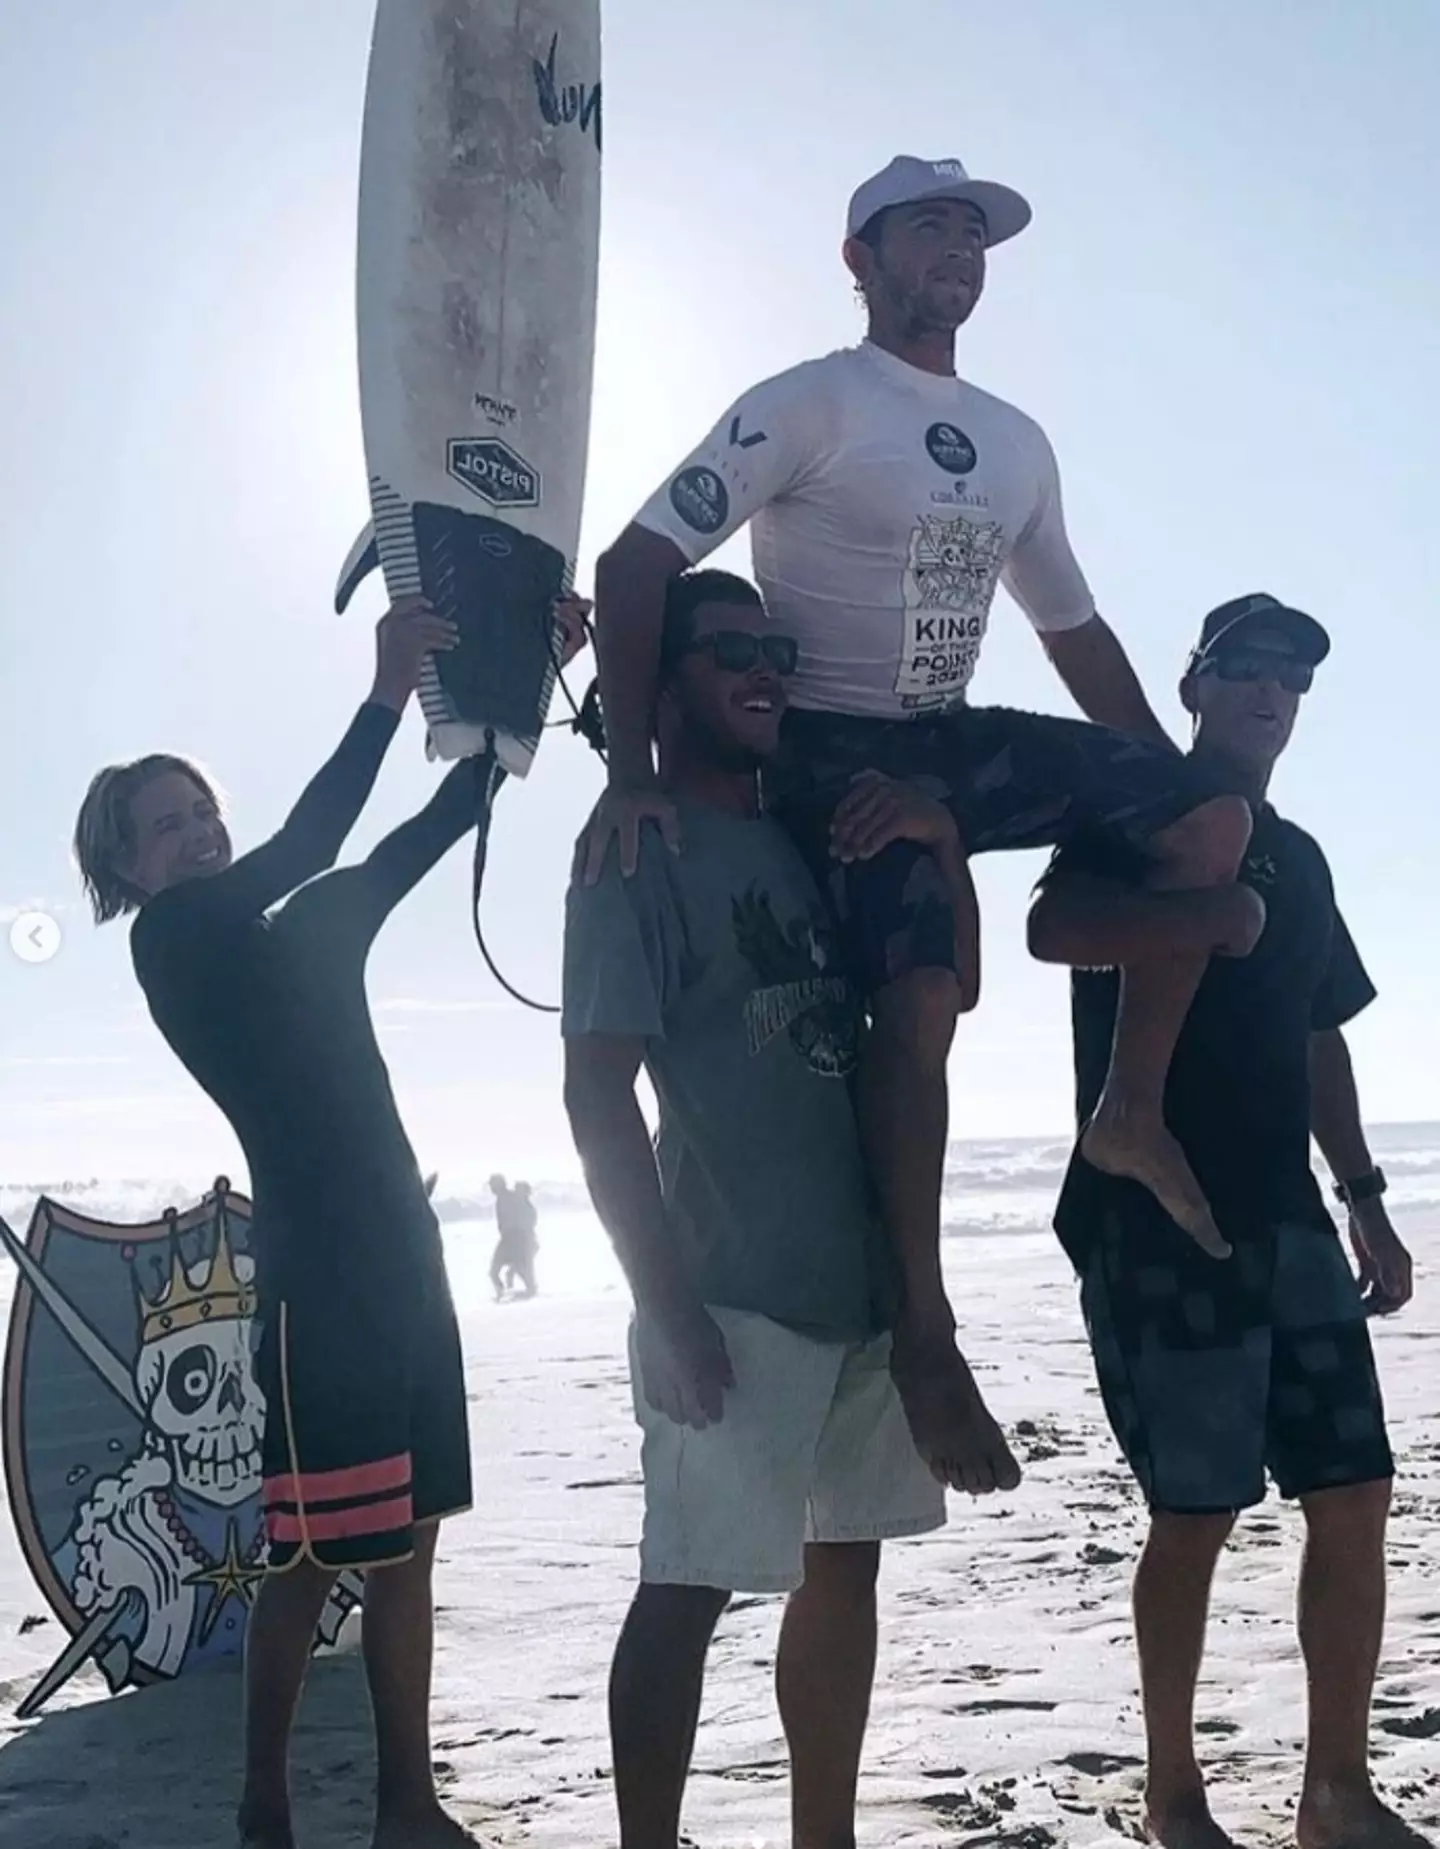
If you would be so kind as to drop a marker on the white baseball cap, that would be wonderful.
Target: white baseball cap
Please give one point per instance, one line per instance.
(907, 180)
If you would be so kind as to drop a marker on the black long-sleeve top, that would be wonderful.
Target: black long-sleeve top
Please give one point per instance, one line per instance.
(267, 1009)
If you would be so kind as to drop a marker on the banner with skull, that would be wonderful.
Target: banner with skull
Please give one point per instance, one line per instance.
(132, 1424)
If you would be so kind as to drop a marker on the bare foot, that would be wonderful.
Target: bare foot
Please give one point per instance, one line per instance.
(263, 1827)
(1185, 1825)
(426, 1829)
(1347, 1817)
(952, 1429)
(1118, 1142)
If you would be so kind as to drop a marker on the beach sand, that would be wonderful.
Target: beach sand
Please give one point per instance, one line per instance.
(1006, 1708)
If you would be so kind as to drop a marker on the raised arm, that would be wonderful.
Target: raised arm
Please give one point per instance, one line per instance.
(330, 805)
(464, 799)
(630, 585)
(760, 450)
(314, 831)
(396, 866)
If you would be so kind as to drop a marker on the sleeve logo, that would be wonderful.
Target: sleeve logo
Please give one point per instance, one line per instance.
(701, 499)
(744, 442)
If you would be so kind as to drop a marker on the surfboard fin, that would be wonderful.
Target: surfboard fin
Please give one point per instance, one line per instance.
(362, 558)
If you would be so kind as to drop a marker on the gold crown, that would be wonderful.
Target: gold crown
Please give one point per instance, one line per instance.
(183, 1305)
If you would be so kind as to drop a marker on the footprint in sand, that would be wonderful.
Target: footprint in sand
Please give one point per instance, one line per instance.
(755, 1772)
(1005, 1707)
(1100, 1765)
(1123, 1825)
(986, 1812)
(960, 1807)
(1424, 1726)
(1041, 1439)
(1023, 1836)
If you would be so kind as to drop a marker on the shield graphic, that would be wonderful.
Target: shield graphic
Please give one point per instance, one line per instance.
(132, 1424)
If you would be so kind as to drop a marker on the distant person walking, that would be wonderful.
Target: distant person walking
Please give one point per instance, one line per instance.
(526, 1242)
(502, 1264)
(516, 1243)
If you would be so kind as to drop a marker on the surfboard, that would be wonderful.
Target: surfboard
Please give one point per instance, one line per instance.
(479, 230)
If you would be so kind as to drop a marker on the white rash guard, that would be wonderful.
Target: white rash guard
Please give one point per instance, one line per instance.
(885, 504)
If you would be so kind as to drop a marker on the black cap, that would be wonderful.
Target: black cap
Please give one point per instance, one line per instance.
(1258, 610)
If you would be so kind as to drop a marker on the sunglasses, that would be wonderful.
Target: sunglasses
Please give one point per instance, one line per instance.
(1240, 664)
(737, 651)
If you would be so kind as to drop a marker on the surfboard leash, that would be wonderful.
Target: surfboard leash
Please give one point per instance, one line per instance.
(482, 850)
(585, 720)
(482, 845)
(586, 723)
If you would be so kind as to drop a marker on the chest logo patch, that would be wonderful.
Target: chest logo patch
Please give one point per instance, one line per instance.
(800, 991)
(1260, 870)
(950, 577)
(951, 449)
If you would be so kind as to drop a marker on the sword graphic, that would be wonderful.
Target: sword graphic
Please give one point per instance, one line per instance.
(81, 1647)
(91, 1344)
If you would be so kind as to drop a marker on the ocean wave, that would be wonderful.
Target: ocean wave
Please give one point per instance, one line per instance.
(994, 1184)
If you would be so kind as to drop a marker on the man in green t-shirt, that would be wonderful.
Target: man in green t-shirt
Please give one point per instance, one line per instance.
(776, 1452)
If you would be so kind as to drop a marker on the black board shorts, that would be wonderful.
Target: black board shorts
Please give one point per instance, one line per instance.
(366, 1430)
(1010, 779)
(1215, 1374)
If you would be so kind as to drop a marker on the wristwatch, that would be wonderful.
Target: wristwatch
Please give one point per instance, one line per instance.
(1364, 1188)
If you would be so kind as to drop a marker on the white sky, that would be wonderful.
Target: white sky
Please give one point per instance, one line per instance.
(1226, 315)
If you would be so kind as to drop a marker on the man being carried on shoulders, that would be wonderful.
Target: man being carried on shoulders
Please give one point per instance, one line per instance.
(887, 499)
(1214, 1372)
(776, 1453)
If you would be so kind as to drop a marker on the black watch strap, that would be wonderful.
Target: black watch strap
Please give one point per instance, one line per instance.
(1363, 1188)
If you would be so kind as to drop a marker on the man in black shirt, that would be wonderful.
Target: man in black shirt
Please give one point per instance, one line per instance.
(1215, 1370)
(366, 1446)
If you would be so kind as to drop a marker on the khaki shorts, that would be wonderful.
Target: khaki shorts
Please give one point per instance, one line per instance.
(813, 1446)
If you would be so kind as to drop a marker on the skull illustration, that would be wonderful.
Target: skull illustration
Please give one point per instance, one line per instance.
(199, 1391)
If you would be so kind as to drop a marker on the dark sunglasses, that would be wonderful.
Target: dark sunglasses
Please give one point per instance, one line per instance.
(737, 651)
(1240, 664)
